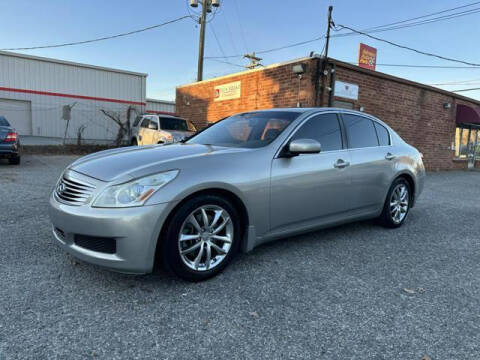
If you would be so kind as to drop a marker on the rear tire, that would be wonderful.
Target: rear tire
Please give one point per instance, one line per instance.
(134, 142)
(14, 160)
(185, 238)
(397, 204)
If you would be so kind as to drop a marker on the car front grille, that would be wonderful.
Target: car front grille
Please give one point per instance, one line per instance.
(73, 191)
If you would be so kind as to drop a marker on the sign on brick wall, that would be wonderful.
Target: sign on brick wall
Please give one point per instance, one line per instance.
(346, 90)
(227, 91)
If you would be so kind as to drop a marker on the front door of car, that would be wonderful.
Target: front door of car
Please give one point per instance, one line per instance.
(153, 127)
(144, 131)
(149, 131)
(311, 189)
(372, 162)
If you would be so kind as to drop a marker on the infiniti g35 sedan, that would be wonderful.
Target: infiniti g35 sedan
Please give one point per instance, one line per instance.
(248, 179)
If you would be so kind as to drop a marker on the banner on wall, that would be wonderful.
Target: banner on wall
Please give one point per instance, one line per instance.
(227, 91)
(346, 90)
(367, 57)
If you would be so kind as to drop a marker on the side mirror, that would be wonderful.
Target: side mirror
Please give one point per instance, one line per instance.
(304, 146)
(152, 125)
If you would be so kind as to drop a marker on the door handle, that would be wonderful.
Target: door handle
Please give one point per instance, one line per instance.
(340, 164)
(389, 156)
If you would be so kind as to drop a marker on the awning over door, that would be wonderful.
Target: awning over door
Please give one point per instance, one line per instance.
(468, 115)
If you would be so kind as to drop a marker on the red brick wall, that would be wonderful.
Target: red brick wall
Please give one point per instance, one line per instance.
(415, 112)
(260, 89)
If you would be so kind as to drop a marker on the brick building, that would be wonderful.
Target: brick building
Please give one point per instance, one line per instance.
(444, 126)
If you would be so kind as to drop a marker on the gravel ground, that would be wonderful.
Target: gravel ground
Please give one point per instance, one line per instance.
(353, 292)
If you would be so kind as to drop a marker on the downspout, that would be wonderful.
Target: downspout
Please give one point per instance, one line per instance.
(333, 75)
(316, 79)
(323, 74)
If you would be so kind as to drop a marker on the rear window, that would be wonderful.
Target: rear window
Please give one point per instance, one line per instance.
(382, 133)
(3, 121)
(173, 124)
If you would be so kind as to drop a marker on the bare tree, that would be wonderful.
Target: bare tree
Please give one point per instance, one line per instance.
(122, 127)
(79, 134)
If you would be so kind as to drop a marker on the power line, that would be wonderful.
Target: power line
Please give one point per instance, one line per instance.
(391, 26)
(459, 82)
(429, 21)
(227, 62)
(381, 28)
(425, 66)
(240, 25)
(218, 42)
(427, 15)
(409, 48)
(100, 39)
(271, 50)
(230, 33)
(471, 89)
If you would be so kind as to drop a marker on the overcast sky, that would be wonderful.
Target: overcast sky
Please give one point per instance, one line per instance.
(169, 54)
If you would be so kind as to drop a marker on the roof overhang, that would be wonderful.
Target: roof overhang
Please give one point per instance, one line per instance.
(468, 115)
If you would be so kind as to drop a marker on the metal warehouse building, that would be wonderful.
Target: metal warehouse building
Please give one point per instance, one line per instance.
(155, 106)
(35, 93)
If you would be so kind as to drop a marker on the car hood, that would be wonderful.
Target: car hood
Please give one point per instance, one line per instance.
(179, 135)
(131, 162)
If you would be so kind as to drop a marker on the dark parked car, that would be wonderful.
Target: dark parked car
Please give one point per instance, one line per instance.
(9, 142)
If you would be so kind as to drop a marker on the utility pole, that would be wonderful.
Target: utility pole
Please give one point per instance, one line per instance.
(325, 58)
(254, 60)
(201, 48)
(206, 8)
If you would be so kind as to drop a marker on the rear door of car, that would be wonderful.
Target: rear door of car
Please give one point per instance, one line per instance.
(372, 162)
(311, 189)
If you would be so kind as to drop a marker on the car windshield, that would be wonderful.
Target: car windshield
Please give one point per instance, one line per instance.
(249, 130)
(3, 121)
(173, 124)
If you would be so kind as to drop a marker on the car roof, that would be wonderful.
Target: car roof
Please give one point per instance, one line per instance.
(307, 110)
(164, 116)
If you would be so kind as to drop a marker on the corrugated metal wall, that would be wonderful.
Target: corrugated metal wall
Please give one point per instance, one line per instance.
(161, 106)
(50, 84)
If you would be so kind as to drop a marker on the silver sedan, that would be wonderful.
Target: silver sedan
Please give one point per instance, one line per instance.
(246, 180)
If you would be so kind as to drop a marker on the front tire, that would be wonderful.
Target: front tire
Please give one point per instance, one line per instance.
(201, 238)
(397, 204)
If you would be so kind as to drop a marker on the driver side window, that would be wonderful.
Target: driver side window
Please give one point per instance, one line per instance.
(324, 128)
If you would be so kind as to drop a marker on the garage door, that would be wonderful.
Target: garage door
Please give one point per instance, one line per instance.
(18, 114)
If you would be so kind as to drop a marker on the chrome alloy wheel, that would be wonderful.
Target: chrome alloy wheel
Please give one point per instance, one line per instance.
(399, 202)
(205, 237)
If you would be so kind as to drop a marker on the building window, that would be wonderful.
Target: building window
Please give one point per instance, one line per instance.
(467, 142)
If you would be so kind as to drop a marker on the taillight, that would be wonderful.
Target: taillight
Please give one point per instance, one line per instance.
(421, 156)
(11, 137)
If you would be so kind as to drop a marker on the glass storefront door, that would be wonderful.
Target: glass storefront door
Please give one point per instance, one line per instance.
(467, 144)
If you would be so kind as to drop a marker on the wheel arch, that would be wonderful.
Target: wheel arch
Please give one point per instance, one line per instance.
(230, 195)
(411, 182)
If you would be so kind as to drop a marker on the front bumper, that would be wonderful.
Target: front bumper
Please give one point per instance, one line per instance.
(135, 231)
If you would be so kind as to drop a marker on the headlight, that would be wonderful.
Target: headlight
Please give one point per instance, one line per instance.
(134, 193)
